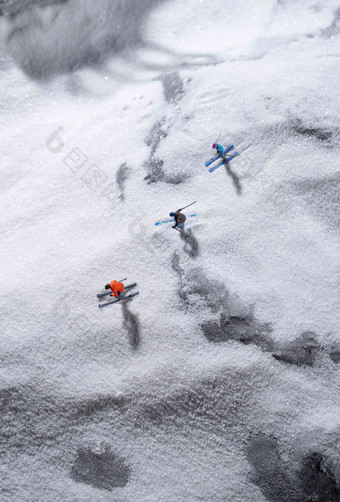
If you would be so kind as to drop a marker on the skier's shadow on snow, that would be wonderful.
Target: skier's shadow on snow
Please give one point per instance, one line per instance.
(234, 177)
(131, 324)
(191, 246)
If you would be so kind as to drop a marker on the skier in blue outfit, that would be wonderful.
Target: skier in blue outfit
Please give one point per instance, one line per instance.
(222, 153)
(219, 150)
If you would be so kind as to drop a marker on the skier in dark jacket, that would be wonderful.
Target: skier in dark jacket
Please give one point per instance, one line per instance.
(179, 218)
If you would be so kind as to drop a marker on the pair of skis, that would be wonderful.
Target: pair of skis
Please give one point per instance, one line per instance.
(173, 219)
(120, 298)
(170, 220)
(228, 159)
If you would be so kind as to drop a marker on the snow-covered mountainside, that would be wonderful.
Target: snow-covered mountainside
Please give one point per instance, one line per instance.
(220, 381)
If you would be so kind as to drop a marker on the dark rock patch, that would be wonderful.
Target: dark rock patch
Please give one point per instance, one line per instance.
(154, 165)
(268, 470)
(156, 173)
(176, 179)
(313, 132)
(318, 480)
(121, 177)
(248, 330)
(156, 134)
(212, 331)
(334, 28)
(11, 7)
(10, 398)
(103, 469)
(194, 285)
(172, 87)
(301, 351)
(314, 482)
(175, 265)
(245, 330)
(335, 353)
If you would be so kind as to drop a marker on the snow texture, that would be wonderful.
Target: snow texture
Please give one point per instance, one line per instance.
(220, 381)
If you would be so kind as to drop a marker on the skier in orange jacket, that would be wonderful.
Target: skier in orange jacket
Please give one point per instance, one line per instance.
(116, 287)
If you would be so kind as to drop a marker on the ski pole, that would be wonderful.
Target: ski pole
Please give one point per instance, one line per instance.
(121, 280)
(189, 205)
(218, 138)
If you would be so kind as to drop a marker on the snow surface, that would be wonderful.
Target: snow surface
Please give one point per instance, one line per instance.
(216, 383)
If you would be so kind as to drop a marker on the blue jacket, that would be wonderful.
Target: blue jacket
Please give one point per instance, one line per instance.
(219, 149)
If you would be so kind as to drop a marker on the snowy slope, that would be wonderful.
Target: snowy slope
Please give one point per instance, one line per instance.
(220, 381)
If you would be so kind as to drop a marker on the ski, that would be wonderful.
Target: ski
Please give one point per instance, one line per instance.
(212, 169)
(173, 219)
(101, 305)
(207, 164)
(100, 295)
(218, 157)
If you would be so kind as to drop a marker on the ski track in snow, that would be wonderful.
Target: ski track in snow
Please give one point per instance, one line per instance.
(220, 380)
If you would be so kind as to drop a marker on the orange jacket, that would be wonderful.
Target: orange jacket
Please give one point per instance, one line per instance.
(116, 287)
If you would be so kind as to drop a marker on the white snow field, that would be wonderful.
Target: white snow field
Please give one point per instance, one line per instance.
(220, 381)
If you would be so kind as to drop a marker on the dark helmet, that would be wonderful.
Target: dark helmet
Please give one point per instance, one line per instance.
(214, 145)
(107, 286)
(172, 213)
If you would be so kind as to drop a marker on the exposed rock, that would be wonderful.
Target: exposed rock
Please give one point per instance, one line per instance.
(316, 132)
(335, 353)
(269, 472)
(8, 7)
(245, 329)
(100, 468)
(172, 86)
(315, 482)
(122, 175)
(301, 351)
(318, 481)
